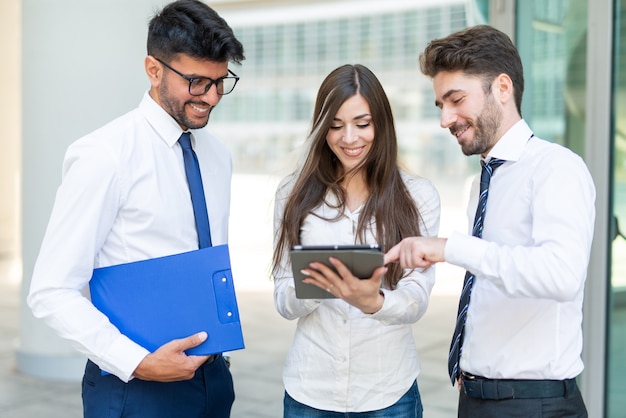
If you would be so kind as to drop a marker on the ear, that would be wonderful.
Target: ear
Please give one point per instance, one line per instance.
(153, 70)
(504, 89)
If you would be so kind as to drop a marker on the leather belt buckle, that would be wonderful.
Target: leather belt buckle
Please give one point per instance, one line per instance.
(211, 358)
(481, 388)
(500, 389)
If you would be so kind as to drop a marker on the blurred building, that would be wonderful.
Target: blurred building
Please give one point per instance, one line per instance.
(292, 46)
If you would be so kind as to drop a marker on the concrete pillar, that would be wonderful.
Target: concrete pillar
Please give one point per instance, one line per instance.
(10, 130)
(82, 66)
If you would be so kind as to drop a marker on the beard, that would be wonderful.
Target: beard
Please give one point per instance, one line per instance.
(176, 109)
(486, 128)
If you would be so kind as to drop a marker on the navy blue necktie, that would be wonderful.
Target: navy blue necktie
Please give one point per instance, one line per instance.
(194, 180)
(477, 231)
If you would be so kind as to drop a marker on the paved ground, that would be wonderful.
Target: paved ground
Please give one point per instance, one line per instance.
(257, 369)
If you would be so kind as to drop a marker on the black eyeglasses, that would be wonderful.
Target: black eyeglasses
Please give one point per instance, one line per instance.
(198, 86)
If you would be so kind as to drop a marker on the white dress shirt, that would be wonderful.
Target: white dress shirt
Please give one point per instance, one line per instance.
(123, 198)
(525, 314)
(342, 359)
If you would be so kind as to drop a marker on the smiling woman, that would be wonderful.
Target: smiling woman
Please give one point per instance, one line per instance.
(350, 138)
(350, 190)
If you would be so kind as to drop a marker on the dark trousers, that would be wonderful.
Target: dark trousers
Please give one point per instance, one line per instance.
(209, 394)
(569, 406)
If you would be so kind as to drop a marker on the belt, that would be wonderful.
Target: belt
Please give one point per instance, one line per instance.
(212, 358)
(497, 389)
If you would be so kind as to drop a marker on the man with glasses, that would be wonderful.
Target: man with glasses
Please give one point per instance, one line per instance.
(124, 198)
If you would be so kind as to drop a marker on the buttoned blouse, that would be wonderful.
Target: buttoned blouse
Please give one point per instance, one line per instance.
(342, 359)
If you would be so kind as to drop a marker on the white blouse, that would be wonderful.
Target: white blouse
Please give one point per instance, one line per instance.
(342, 359)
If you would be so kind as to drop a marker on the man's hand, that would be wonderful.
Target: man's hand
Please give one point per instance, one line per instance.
(170, 363)
(417, 252)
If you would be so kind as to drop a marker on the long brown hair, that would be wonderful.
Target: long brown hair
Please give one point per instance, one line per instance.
(389, 202)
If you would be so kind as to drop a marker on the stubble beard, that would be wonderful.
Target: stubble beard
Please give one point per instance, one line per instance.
(486, 128)
(176, 109)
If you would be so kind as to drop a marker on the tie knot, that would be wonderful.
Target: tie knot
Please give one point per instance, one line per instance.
(185, 140)
(492, 164)
(487, 172)
(489, 167)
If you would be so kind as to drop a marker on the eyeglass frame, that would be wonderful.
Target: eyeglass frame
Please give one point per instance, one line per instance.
(211, 81)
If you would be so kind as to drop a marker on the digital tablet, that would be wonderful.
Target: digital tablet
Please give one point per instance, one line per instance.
(362, 260)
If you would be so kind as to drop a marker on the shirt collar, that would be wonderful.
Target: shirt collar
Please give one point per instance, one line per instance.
(166, 127)
(512, 143)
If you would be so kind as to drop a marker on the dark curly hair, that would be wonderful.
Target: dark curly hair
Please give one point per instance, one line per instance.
(192, 28)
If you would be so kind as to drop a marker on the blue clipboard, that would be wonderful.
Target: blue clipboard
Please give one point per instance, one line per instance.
(158, 300)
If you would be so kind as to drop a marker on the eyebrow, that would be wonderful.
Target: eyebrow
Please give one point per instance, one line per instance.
(364, 115)
(446, 95)
(207, 78)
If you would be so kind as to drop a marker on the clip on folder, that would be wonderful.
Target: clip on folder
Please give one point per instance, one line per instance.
(158, 300)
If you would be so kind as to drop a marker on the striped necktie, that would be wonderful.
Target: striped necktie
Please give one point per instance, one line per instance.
(477, 231)
(194, 180)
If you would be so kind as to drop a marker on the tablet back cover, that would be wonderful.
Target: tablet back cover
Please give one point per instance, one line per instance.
(361, 263)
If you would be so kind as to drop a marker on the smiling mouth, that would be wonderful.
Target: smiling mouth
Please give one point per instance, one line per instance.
(352, 151)
(457, 131)
(200, 109)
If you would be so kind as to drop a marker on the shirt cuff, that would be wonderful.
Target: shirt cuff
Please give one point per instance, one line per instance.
(123, 357)
(465, 251)
(394, 307)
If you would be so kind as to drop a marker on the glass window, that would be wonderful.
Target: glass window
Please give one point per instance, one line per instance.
(279, 49)
(321, 39)
(344, 39)
(387, 47)
(409, 37)
(616, 367)
(300, 47)
(434, 20)
(458, 18)
(365, 36)
(259, 46)
(549, 37)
